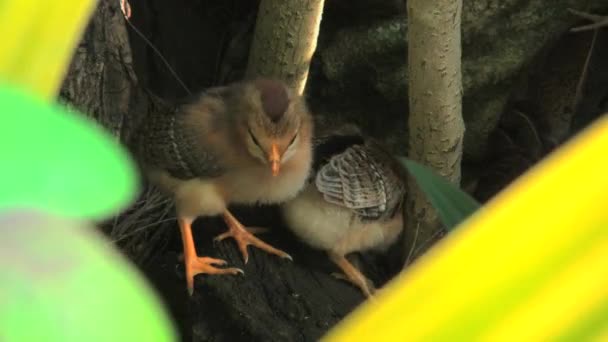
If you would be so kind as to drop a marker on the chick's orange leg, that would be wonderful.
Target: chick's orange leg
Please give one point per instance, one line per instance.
(352, 274)
(244, 237)
(193, 263)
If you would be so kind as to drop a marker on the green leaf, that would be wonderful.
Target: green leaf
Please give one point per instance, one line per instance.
(62, 281)
(59, 161)
(452, 204)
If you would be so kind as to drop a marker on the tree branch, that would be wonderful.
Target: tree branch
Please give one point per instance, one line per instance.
(285, 39)
(435, 100)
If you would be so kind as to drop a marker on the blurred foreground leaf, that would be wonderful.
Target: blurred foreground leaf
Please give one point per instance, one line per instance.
(61, 281)
(38, 41)
(59, 162)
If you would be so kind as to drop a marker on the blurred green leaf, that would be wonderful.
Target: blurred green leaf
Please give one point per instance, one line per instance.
(452, 204)
(62, 281)
(58, 161)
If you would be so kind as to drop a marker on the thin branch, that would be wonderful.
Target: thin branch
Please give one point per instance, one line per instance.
(598, 21)
(583, 78)
(411, 252)
(126, 12)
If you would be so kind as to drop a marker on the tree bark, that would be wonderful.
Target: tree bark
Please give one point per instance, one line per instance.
(100, 81)
(102, 84)
(435, 98)
(285, 40)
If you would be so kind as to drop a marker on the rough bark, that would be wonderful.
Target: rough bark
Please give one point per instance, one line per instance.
(102, 84)
(435, 100)
(100, 81)
(285, 40)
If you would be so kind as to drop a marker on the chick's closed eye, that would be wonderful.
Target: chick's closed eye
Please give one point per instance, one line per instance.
(293, 140)
(255, 141)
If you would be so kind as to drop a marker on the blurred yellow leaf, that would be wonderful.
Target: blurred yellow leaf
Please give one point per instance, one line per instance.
(38, 41)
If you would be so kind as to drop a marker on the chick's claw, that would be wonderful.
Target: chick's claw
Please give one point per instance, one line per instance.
(206, 265)
(244, 237)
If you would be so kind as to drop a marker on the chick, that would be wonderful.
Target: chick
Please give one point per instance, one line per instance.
(246, 143)
(352, 201)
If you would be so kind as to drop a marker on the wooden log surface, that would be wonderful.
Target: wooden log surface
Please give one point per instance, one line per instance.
(275, 300)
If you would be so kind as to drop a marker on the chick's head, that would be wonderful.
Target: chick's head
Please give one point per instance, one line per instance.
(276, 123)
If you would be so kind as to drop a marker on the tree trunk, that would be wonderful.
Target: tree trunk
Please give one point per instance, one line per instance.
(102, 84)
(435, 98)
(285, 40)
(100, 81)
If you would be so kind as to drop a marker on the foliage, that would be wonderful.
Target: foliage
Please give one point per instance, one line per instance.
(58, 161)
(452, 204)
(38, 40)
(61, 281)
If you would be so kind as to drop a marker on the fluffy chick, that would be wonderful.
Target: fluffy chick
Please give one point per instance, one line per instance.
(245, 143)
(352, 201)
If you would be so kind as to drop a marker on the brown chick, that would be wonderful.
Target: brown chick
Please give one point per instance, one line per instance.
(245, 143)
(351, 203)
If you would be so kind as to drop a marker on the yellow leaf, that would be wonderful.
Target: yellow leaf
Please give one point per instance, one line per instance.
(38, 41)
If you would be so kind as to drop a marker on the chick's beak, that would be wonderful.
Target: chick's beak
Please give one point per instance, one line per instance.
(275, 159)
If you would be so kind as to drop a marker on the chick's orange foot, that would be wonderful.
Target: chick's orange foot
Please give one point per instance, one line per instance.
(352, 275)
(194, 264)
(366, 286)
(244, 237)
(198, 265)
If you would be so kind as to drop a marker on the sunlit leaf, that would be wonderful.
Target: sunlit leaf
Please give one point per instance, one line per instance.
(62, 282)
(532, 265)
(59, 161)
(452, 204)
